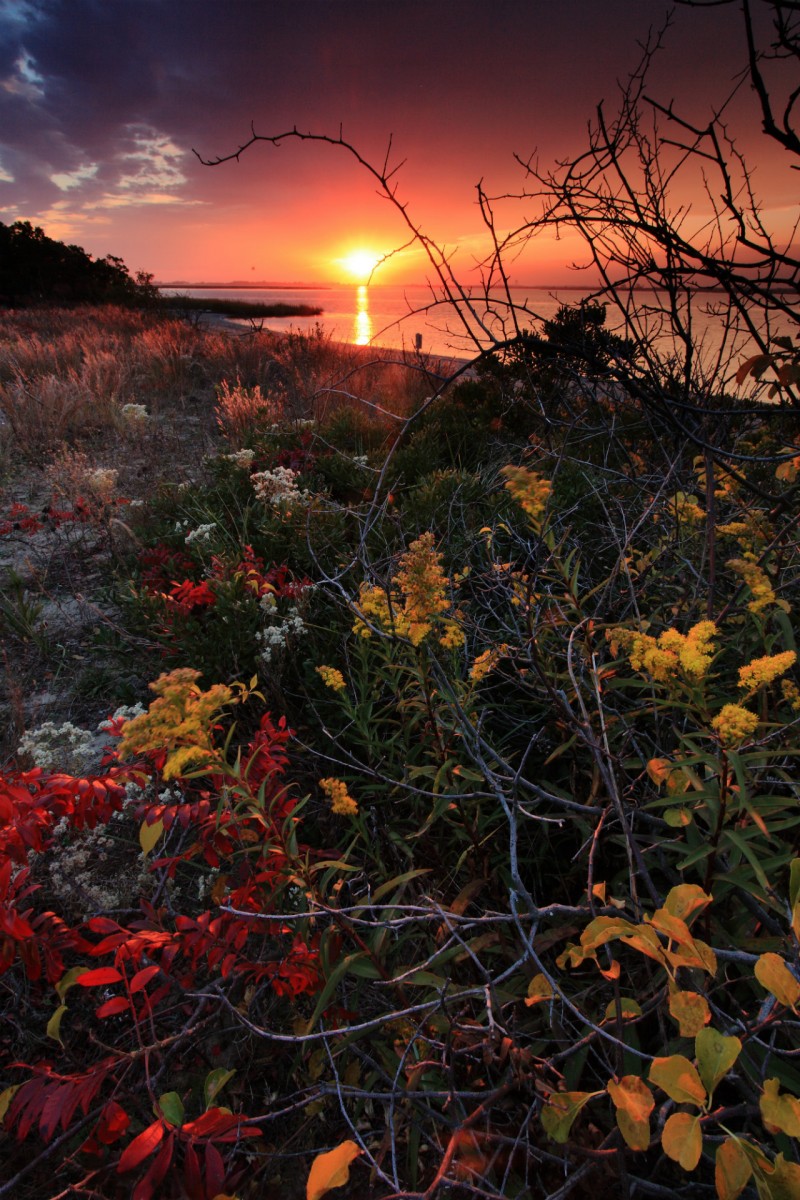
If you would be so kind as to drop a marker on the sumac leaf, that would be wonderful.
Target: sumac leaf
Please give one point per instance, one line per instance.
(100, 976)
(141, 1146)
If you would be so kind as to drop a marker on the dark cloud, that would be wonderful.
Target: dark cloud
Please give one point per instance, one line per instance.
(101, 101)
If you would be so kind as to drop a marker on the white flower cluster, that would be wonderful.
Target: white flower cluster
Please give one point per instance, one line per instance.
(85, 871)
(201, 534)
(59, 747)
(134, 414)
(275, 637)
(361, 460)
(278, 487)
(102, 481)
(125, 712)
(241, 458)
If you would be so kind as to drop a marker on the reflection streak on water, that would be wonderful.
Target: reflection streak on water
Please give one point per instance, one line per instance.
(362, 329)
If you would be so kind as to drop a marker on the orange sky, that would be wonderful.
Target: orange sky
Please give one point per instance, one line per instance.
(102, 104)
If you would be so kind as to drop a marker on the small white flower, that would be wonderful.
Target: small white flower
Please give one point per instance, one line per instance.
(135, 414)
(201, 534)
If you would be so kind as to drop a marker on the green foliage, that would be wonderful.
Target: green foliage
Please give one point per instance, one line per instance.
(35, 269)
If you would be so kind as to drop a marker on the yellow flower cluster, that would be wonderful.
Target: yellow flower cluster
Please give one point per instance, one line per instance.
(180, 721)
(687, 510)
(332, 678)
(734, 723)
(762, 671)
(342, 803)
(755, 577)
(791, 694)
(531, 492)
(664, 656)
(423, 584)
(486, 662)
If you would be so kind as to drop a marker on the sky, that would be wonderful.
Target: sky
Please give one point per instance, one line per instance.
(104, 102)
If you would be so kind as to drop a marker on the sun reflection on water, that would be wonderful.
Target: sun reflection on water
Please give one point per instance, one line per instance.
(362, 330)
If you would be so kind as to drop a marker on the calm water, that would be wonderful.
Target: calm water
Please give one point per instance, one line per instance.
(394, 316)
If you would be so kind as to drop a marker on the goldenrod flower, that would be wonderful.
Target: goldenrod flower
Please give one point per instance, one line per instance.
(762, 671)
(180, 721)
(687, 510)
(734, 724)
(342, 803)
(672, 651)
(415, 604)
(530, 490)
(424, 584)
(486, 662)
(755, 577)
(452, 635)
(332, 678)
(791, 694)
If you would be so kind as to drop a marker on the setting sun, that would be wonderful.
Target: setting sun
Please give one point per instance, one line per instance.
(360, 263)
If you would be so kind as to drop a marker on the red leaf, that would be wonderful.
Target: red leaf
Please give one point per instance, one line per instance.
(143, 977)
(111, 1008)
(100, 976)
(215, 1171)
(113, 1123)
(102, 925)
(211, 1123)
(145, 1187)
(138, 1150)
(192, 1180)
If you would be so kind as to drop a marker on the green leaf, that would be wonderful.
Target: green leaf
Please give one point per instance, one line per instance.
(794, 882)
(170, 1106)
(214, 1083)
(715, 1055)
(560, 1111)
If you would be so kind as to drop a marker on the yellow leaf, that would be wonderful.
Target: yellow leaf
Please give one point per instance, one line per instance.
(715, 1056)
(779, 1112)
(69, 979)
(682, 1140)
(628, 1009)
(690, 1010)
(634, 1102)
(784, 1183)
(54, 1024)
(5, 1099)
(561, 1110)
(539, 989)
(679, 1079)
(331, 1170)
(685, 900)
(658, 769)
(732, 1170)
(773, 974)
(599, 892)
(149, 835)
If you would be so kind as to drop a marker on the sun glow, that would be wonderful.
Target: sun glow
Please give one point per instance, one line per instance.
(360, 263)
